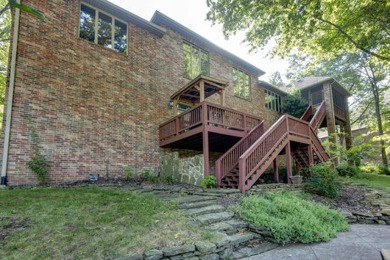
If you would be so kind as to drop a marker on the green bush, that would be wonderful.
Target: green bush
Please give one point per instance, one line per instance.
(209, 182)
(128, 172)
(322, 181)
(375, 169)
(290, 218)
(40, 166)
(347, 171)
(148, 176)
(171, 180)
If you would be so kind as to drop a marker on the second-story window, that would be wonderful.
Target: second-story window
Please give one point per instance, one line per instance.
(196, 61)
(273, 101)
(241, 84)
(102, 29)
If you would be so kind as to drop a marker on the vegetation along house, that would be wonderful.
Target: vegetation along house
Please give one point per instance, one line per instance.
(96, 89)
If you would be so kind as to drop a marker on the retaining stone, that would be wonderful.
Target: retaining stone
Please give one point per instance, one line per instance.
(220, 226)
(258, 249)
(176, 250)
(205, 247)
(237, 223)
(240, 238)
(210, 257)
(197, 204)
(154, 254)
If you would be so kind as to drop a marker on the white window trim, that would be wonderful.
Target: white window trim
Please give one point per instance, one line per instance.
(112, 27)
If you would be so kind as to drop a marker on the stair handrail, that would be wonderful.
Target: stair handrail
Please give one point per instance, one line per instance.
(319, 115)
(318, 147)
(230, 159)
(269, 138)
(308, 112)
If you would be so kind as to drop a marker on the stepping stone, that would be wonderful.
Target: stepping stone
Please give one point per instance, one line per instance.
(220, 227)
(237, 224)
(191, 199)
(257, 249)
(205, 210)
(197, 204)
(214, 217)
(240, 238)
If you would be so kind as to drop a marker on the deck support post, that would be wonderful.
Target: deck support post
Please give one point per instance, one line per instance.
(206, 160)
(276, 170)
(310, 154)
(298, 168)
(201, 91)
(288, 162)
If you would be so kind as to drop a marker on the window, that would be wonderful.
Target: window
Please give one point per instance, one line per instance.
(241, 84)
(103, 29)
(196, 61)
(273, 101)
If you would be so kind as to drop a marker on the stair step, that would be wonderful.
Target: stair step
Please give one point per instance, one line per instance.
(255, 250)
(191, 199)
(205, 210)
(236, 239)
(235, 223)
(220, 227)
(214, 217)
(201, 204)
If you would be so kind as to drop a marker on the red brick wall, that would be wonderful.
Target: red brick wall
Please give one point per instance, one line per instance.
(95, 110)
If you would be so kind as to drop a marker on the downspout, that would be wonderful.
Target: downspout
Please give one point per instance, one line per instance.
(10, 97)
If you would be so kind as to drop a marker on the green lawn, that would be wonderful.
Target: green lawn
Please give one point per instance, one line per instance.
(371, 180)
(87, 222)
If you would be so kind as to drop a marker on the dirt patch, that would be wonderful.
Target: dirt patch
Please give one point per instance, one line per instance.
(8, 225)
(351, 198)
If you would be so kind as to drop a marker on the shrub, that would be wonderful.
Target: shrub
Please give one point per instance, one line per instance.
(347, 171)
(375, 169)
(294, 104)
(40, 166)
(323, 180)
(171, 180)
(209, 182)
(128, 172)
(148, 176)
(290, 218)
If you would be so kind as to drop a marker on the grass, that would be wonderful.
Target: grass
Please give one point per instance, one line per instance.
(290, 218)
(370, 180)
(87, 222)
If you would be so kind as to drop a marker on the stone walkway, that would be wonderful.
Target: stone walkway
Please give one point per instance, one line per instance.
(362, 242)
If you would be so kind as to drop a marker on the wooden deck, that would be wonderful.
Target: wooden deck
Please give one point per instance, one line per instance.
(224, 127)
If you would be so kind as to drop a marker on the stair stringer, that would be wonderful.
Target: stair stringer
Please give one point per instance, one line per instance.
(265, 163)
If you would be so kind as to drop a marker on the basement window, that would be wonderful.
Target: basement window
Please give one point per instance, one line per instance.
(103, 29)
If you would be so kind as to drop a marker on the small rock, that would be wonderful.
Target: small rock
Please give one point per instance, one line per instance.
(205, 247)
(385, 254)
(381, 222)
(210, 257)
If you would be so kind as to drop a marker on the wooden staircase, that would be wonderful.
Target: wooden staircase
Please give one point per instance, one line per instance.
(246, 161)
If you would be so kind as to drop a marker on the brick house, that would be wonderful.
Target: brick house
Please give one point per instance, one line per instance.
(95, 83)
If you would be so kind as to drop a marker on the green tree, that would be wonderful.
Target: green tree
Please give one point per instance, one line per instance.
(276, 80)
(319, 28)
(294, 104)
(366, 78)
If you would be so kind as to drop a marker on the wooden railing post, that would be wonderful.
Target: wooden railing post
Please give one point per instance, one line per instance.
(245, 130)
(177, 126)
(241, 174)
(218, 173)
(288, 162)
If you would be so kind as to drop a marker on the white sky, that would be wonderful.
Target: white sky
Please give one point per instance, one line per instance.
(192, 14)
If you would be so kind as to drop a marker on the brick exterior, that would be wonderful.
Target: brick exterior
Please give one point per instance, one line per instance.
(95, 110)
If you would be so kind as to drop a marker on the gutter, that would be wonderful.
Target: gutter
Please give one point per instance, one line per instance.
(10, 97)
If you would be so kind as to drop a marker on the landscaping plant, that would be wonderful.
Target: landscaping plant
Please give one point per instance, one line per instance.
(322, 180)
(291, 219)
(38, 163)
(347, 171)
(209, 182)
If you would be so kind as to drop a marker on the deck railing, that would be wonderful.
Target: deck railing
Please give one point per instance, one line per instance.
(318, 116)
(308, 113)
(207, 114)
(230, 159)
(317, 146)
(340, 112)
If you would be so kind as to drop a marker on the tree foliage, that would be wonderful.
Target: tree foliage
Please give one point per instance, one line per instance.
(320, 28)
(294, 104)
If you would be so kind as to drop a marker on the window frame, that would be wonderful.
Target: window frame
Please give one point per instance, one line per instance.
(193, 46)
(249, 98)
(96, 28)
